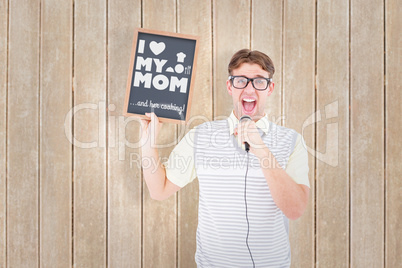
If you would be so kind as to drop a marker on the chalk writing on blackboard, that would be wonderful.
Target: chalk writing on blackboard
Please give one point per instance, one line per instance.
(161, 75)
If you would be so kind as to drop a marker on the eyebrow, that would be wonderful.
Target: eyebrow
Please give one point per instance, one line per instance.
(257, 76)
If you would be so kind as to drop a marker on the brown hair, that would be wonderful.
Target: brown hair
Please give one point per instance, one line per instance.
(251, 56)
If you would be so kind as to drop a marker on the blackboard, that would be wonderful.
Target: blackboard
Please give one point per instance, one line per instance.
(161, 75)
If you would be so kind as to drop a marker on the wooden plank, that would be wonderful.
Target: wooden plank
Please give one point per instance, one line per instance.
(159, 218)
(367, 134)
(266, 36)
(194, 18)
(23, 135)
(55, 149)
(3, 128)
(231, 32)
(332, 200)
(393, 146)
(298, 94)
(89, 243)
(124, 169)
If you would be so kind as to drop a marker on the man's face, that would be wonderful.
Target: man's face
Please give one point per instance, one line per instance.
(249, 101)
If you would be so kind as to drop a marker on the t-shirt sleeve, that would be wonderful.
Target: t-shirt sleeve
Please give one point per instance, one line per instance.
(180, 168)
(297, 167)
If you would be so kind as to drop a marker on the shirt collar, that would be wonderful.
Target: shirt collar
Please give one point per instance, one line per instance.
(262, 123)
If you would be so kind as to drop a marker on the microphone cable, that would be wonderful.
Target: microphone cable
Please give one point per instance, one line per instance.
(245, 202)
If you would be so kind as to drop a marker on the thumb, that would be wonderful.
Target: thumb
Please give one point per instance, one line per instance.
(155, 124)
(154, 127)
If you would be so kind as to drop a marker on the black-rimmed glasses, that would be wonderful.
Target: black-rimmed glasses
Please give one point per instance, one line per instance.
(259, 83)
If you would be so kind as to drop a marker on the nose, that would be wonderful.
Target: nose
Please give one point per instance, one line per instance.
(249, 88)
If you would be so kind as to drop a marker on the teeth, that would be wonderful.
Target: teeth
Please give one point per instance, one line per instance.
(248, 100)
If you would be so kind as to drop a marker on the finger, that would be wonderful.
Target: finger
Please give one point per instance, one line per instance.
(154, 117)
(246, 131)
(238, 132)
(144, 123)
(146, 119)
(151, 120)
(242, 129)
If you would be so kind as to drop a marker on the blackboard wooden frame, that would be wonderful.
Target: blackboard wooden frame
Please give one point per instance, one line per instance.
(133, 92)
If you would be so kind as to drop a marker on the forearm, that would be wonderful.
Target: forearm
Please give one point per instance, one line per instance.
(153, 172)
(290, 197)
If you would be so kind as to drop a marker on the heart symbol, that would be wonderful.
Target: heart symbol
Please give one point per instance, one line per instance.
(157, 48)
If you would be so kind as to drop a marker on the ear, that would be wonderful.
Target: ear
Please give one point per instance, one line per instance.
(229, 86)
(271, 88)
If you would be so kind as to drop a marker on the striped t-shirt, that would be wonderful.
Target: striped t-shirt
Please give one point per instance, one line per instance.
(221, 167)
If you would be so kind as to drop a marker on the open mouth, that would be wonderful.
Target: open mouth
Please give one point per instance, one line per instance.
(249, 105)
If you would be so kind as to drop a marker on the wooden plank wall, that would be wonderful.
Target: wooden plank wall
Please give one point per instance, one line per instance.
(124, 192)
(71, 189)
(332, 100)
(366, 133)
(3, 128)
(299, 95)
(55, 150)
(23, 115)
(393, 144)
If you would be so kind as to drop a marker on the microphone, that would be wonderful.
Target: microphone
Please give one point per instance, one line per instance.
(245, 118)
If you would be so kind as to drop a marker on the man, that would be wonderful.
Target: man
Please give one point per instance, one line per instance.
(245, 198)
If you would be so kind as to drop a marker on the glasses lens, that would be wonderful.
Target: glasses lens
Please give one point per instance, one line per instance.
(260, 83)
(239, 82)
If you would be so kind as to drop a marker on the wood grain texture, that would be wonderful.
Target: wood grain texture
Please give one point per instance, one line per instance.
(124, 169)
(160, 218)
(55, 149)
(85, 204)
(266, 36)
(90, 129)
(3, 128)
(298, 92)
(194, 18)
(23, 135)
(367, 134)
(231, 24)
(332, 181)
(393, 146)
